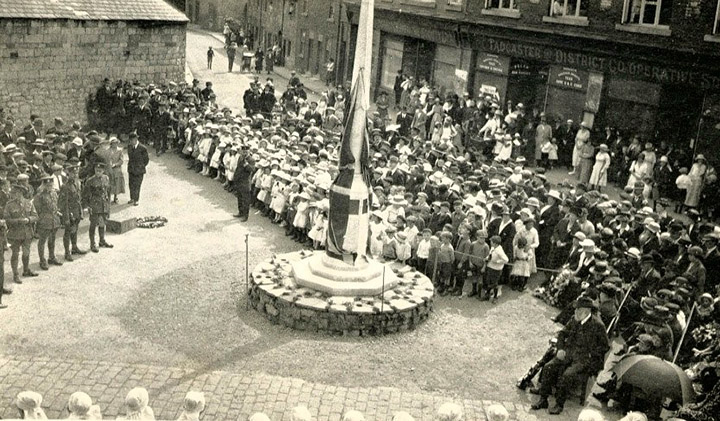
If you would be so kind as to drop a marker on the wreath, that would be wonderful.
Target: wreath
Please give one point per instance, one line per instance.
(151, 222)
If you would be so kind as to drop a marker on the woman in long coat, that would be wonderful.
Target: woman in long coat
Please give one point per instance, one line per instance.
(116, 160)
(598, 178)
(587, 153)
(697, 180)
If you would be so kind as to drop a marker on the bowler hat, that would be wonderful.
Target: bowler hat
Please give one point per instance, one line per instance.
(585, 302)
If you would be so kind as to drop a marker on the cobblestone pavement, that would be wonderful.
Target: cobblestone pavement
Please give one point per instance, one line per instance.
(229, 396)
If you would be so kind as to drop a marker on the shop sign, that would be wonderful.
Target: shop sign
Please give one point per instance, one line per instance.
(568, 77)
(608, 65)
(492, 63)
(461, 74)
(594, 92)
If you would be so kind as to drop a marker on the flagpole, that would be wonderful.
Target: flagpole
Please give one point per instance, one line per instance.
(682, 338)
(247, 274)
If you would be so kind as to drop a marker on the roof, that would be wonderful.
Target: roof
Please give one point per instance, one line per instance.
(145, 10)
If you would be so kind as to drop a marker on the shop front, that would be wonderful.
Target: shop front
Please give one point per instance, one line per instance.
(657, 100)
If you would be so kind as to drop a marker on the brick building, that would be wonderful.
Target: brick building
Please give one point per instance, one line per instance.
(648, 66)
(54, 54)
(211, 14)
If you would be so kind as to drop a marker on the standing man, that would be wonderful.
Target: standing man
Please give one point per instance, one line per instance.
(96, 197)
(543, 133)
(4, 289)
(398, 87)
(137, 161)
(330, 72)
(231, 51)
(70, 207)
(20, 217)
(241, 184)
(46, 205)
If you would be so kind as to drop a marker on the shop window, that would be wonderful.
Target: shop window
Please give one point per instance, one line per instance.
(501, 4)
(505, 8)
(648, 12)
(568, 8)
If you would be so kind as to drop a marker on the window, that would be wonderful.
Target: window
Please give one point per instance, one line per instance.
(647, 12)
(331, 12)
(501, 4)
(568, 8)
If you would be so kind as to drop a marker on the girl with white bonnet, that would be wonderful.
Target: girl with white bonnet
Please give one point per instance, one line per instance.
(193, 405)
(589, 414)
(300, 413)
(353, 415)
(28, 403)
(403, 416)
(497, 412)
(81, 407)
(136, 405)
(634, 416)
(259, 416)
(449, 412)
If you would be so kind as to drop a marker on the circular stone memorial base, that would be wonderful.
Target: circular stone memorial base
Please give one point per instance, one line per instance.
(275, 293)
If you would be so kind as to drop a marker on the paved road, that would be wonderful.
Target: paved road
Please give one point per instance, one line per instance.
(164, 309)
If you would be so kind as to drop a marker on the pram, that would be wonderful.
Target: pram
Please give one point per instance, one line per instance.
(247, 61)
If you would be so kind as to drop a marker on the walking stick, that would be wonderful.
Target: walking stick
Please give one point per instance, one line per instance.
(617, 314)
(247, 274)
(382, 294)
(682, 338)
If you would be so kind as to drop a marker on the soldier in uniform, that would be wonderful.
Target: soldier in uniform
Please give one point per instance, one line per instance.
(241, 184)
(96, 197)
(46, 205)
(70, 207)
(4, 289)
(20, 217)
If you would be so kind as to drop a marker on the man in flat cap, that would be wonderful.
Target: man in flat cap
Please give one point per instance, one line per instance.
(70, 208)
(20, 216)
(96, 197)
(46, 205)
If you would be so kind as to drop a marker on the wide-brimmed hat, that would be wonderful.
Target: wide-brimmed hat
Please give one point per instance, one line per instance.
(600, 268)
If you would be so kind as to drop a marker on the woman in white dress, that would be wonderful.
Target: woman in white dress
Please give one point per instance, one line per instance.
(697, 180)
(598, 178)
(639, 169)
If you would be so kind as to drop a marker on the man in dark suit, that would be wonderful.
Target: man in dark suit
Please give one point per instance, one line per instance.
(7, 137)
(34, 132)
(137, 161)
(405, 121)
(649, 278)
(711, 260)
(548, 218)
(397, 88)
(241, 184)
(505, 229)
(581, 349)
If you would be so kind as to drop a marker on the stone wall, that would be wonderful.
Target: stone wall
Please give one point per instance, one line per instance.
(50, 67)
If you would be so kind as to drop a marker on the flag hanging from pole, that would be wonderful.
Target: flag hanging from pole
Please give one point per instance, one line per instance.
(349, 218)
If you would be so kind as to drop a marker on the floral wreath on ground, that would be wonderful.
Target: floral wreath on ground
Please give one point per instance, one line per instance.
(151, 222)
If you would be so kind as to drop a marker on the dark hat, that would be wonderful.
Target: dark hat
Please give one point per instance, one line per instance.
(600, 268)
(647, 258)
(585, 302)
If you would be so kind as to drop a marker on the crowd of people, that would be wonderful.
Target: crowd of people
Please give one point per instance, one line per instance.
(455, 211)
(458, 193)
(50, 180)
(80, 406)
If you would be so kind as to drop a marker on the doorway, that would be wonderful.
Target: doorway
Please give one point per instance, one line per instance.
(527, 84)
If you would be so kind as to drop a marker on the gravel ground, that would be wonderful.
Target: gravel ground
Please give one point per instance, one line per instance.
(174, 296)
